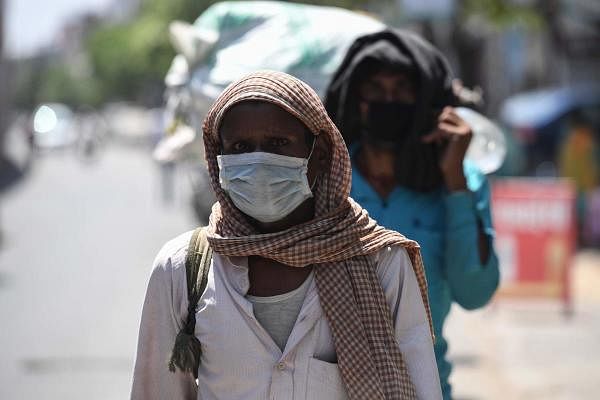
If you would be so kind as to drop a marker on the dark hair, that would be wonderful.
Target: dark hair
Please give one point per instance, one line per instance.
(372, 66)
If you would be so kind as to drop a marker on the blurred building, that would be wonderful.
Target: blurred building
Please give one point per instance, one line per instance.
(564, 51)
(517, 46)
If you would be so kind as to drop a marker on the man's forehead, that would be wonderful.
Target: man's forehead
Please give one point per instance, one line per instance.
(260, 116)
(388, 76)
(249, 109)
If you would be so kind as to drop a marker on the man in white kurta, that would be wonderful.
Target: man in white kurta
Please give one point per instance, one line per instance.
(310, 301)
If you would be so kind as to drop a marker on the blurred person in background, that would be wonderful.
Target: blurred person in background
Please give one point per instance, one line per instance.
(307, 297)
(579, 159)
(392, 99)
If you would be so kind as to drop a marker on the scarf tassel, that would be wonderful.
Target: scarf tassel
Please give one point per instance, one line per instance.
(186, 353)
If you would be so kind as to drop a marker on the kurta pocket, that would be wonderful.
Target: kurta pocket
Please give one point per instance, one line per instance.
(324, 381)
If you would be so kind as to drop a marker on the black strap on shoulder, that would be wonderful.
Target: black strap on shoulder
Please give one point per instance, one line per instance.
(187, 350)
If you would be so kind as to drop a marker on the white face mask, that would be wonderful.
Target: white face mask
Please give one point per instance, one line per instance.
(265, 186)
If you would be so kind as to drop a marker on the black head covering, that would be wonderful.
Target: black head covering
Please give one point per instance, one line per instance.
(402, 51)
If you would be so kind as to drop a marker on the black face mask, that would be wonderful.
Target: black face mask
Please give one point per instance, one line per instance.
(390, 126)
(388, 123)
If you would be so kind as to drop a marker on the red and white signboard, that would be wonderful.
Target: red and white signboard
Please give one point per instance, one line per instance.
(536, 236)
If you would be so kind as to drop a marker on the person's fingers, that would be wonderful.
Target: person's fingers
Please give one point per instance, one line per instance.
(433, 136)
(449, 122)
(454, 118)
(443, 132)
(448, 110)
(453, 133)
(442, 116)
(450, 116)
(461, 126)
(448, 128)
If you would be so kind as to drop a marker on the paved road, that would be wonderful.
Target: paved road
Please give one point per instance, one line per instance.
(78, 242)
(529, 350)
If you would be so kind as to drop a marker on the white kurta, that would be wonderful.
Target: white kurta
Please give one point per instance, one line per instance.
(240, 360)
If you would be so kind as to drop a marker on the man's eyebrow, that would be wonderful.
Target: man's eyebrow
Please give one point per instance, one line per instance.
(279, 130)
(270, 132)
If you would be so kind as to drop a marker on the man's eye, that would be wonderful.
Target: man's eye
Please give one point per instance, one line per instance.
(278, 142)
(372, 92)
(239, 147)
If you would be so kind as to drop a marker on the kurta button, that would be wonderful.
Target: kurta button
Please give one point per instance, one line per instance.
(281, 366)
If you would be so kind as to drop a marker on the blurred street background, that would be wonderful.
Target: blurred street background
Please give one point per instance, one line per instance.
(100, 164)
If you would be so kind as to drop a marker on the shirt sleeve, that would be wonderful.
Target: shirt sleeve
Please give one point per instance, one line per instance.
(472, 283)
(163, 314)
(410, 321)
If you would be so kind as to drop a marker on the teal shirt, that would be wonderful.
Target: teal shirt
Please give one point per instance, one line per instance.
(446, 226)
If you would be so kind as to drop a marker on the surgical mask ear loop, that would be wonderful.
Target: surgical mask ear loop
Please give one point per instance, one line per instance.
(308, 159)
(311, 149)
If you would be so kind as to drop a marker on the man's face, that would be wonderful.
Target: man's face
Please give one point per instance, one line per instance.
(250, 127)
(255, 126)
(386, 87)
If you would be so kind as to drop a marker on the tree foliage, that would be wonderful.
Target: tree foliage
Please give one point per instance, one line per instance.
(130, 59)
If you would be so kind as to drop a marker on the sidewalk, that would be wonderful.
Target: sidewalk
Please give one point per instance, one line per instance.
(518, 349)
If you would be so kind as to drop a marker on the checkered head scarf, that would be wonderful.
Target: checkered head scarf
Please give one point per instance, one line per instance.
(338, 242)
